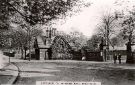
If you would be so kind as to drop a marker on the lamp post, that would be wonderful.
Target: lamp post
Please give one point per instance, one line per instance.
(10, 48)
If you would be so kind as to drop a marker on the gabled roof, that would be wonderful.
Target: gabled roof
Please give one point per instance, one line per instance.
(46, 43)
(40, 42)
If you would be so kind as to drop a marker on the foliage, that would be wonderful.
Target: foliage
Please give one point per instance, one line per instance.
(20, 37)
(128, 28)
(78, 39)
(75, 39)
(38, 11)
(93, 42)
(119, 39)
(115, 41)
(3, 15)
(4, 40)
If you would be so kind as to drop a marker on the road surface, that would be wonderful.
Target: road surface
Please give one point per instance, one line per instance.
(106, 73)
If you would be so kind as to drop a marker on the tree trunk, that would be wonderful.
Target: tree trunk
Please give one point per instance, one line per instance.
(21, 52)
(25, 54)
(130, 58)
(129, 51)
(29, 44)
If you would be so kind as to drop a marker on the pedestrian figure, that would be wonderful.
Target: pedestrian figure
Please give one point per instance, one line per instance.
(115, 58)
(83, 58)
(119, 58)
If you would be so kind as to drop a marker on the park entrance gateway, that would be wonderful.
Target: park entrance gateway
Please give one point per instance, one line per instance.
(55, 48)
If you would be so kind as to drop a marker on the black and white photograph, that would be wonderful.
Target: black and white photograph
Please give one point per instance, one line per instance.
(67, 42)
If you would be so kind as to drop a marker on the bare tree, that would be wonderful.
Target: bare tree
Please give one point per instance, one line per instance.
(106, 29)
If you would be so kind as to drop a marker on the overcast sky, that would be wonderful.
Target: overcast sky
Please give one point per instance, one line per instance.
(89, 17)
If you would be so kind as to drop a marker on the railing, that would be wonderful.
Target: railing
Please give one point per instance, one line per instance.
(90, 56)
(94, 56)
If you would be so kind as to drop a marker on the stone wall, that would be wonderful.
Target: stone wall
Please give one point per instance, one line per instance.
(43, 55)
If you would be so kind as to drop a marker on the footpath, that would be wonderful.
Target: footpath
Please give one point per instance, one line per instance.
(8, 74)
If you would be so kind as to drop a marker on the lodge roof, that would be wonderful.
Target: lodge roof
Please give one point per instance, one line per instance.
(45, 43)
(40, 43)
